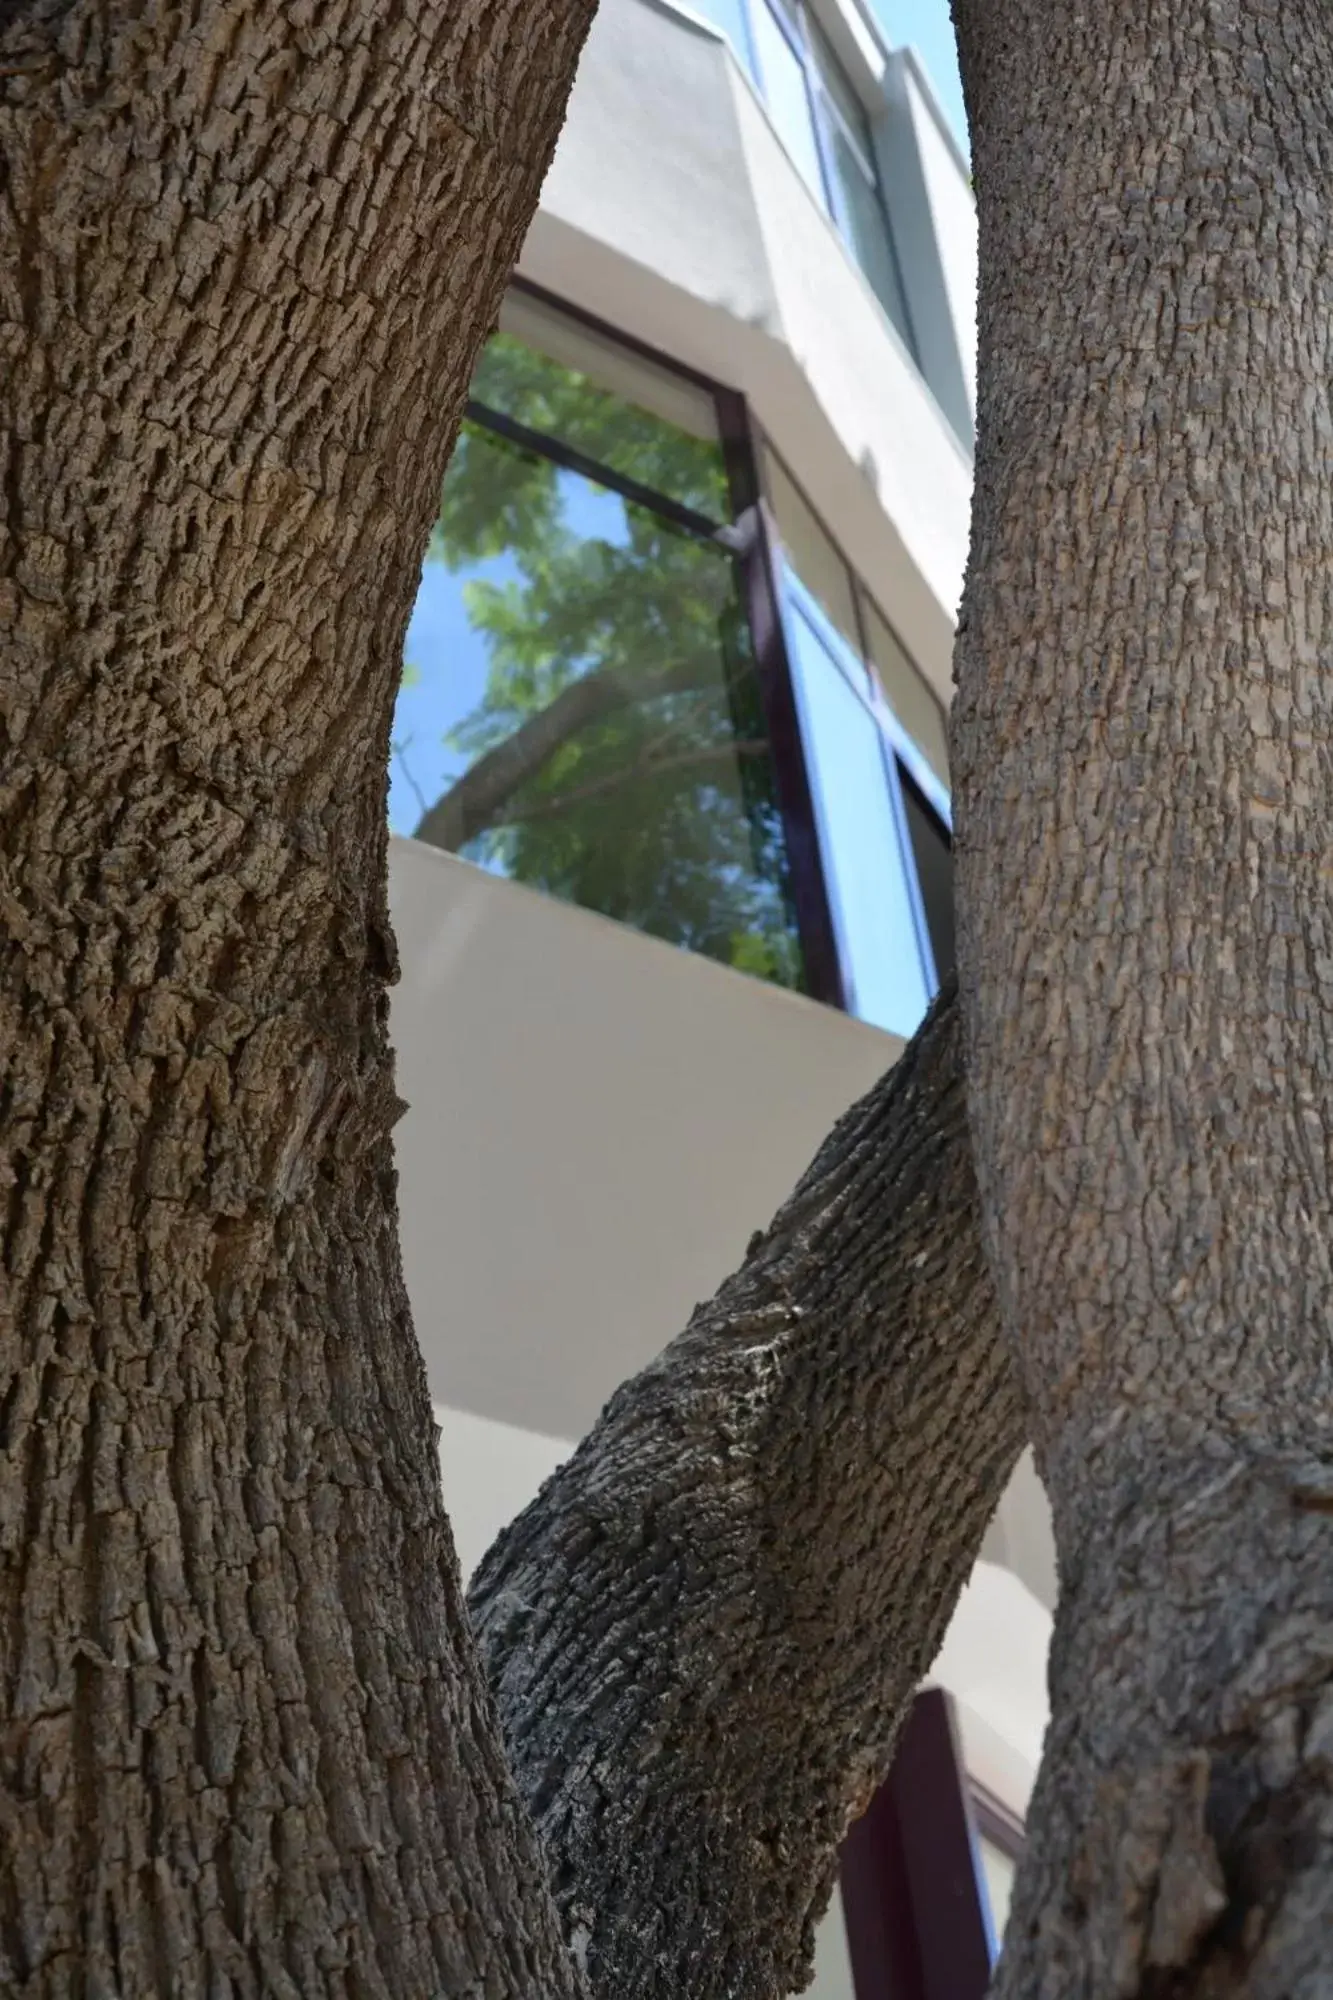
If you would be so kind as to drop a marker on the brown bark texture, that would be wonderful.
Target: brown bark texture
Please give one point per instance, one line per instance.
(705, 1632)
(1144, 777)
(247, 256)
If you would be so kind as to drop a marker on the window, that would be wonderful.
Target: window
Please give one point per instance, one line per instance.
(906, 692)
(812, 553)
(581, 710)
(584, 709)
(999, 1843)
(858, 207)
(620, 411)
(876, 749)
(782, 78)
(823, 123)
(878, 916)
(933, 855)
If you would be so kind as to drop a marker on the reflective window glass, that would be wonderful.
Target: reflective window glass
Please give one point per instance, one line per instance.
(580, 711)
(858, 204)
(811, 553)
(863, 222)
(839, 87)
(934, 874)
(998, 1871)
(906, 691)
(555, 376)
(862, 837)
(782, 78)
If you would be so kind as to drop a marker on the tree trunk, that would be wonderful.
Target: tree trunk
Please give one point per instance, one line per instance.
(247, 257)
(1142, 774)
(704, 1633)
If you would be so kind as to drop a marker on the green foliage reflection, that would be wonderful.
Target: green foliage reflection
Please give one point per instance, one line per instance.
(618, 756)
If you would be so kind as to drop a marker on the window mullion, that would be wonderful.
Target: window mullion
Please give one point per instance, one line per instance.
(814, 90)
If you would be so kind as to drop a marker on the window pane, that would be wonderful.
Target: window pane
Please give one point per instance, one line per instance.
(906, 692)
(862, 220)
(999, 1870)
(645, 422)
(580, 711)
(861, 840)
(782, 77)
(841, 90)
(811, 554)
(934, 874)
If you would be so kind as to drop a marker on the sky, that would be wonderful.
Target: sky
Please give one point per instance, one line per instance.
(925, 26)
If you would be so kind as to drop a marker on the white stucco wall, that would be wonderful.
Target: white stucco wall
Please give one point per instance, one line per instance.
(650, 162)
(597, 1124)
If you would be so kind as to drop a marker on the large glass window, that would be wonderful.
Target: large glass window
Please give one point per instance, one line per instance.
(877, 761)
(905, 691)
(560, 379)
(868, 865)
(580, 708)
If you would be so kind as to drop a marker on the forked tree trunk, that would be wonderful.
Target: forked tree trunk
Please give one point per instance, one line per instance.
(1144, 779)
(705, 1632)
(247, 256)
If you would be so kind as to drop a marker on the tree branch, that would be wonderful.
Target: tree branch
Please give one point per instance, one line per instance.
(701, 754)
(704, 1633)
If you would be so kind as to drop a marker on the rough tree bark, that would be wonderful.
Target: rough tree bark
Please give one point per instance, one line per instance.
(1143, 785)
(247, 256)
(704, 1633)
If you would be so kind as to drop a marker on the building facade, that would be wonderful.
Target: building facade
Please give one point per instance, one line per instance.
(670, 795)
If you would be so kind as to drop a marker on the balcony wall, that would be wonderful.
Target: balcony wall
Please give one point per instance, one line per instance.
(597, 1124)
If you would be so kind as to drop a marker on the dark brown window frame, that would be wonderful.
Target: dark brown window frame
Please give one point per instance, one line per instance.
(754, 539)
(912, 1899)
(751, 539)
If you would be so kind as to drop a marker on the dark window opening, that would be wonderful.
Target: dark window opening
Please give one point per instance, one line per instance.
(934, 866)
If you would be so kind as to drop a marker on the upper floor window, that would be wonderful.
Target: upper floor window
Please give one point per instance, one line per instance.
(824, 125)
(581, 709)
(594, 659)
(876, 748)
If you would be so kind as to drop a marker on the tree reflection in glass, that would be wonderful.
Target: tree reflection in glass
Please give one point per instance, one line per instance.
(580, 710)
